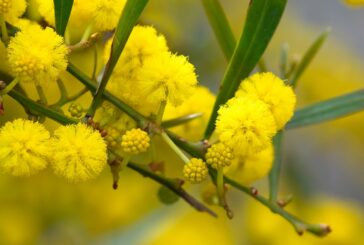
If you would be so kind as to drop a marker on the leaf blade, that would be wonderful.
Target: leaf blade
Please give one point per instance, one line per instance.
(62, 12)
(328, 110)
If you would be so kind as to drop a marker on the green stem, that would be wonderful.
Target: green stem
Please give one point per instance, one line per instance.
(175, 148)
(160, 114)
(4, 30)
(9, 87)
(220, 186)
(299, 225)
(276, 169)
(41, 94)
(125, 162)
(87, 32)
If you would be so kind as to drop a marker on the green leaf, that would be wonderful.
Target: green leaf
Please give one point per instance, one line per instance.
(308, 57)
(220, 26)
(261, 22)
(180, 120)
(328, 110)
(129, 17)
(62, 11)
(276, 169)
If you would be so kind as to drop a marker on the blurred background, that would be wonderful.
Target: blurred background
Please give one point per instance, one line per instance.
(323, 164)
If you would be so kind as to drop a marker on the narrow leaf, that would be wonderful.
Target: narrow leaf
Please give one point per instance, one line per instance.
(328, 110)
(220, 26)
(62, 11)
(308, 57)
(276, 169)
(261, 22)
(180, 120)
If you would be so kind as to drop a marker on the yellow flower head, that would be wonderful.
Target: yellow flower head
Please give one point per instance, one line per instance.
(246, 125)
(12, 9)
(219, 155)
(79, 152)
(24, 147)
(167, 77)
(252, 167)
(201, 101)
(37, 55)
(144, 43)
(270, 89)
(195, 171)
(135, 141)
(106, 13)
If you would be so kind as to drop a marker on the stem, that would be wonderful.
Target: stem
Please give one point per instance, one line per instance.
(276, 169)
(87, 32)
(4, 30)
(125, 162)
(220, 185)
(41, 94)
(172, 184)
(9, 87)
(180, 120)
(299, 225)
(175, 148)
(94, 70)
(162, 107)
(92, 86)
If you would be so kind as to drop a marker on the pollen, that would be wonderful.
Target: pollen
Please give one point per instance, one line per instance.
(135, 141)
(219, 155)
(195, 171)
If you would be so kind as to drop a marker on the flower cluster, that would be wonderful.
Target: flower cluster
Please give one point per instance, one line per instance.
(76, 152)
(246, 123)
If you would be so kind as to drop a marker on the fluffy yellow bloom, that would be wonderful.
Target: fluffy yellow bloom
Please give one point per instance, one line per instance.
(144, 43)
(24, 147)
(195, 171)
(201, 101)
(270, 89)
(12, 9)
(219, 155)
(37, 55)
(79, 152)
(135, 141)
(252, 167)
(106, 13)
(246, 125)
(167, 77)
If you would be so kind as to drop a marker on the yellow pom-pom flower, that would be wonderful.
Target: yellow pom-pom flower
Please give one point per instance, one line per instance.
(167, 77)
(195, 171)
(106, 13)
(12, 9)
(219, 155)
(79, 152)
(135, 141)
(272, 90)
(24, 147)
(252, 167)
(37, 55)
(246, 125)
(144, 43)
